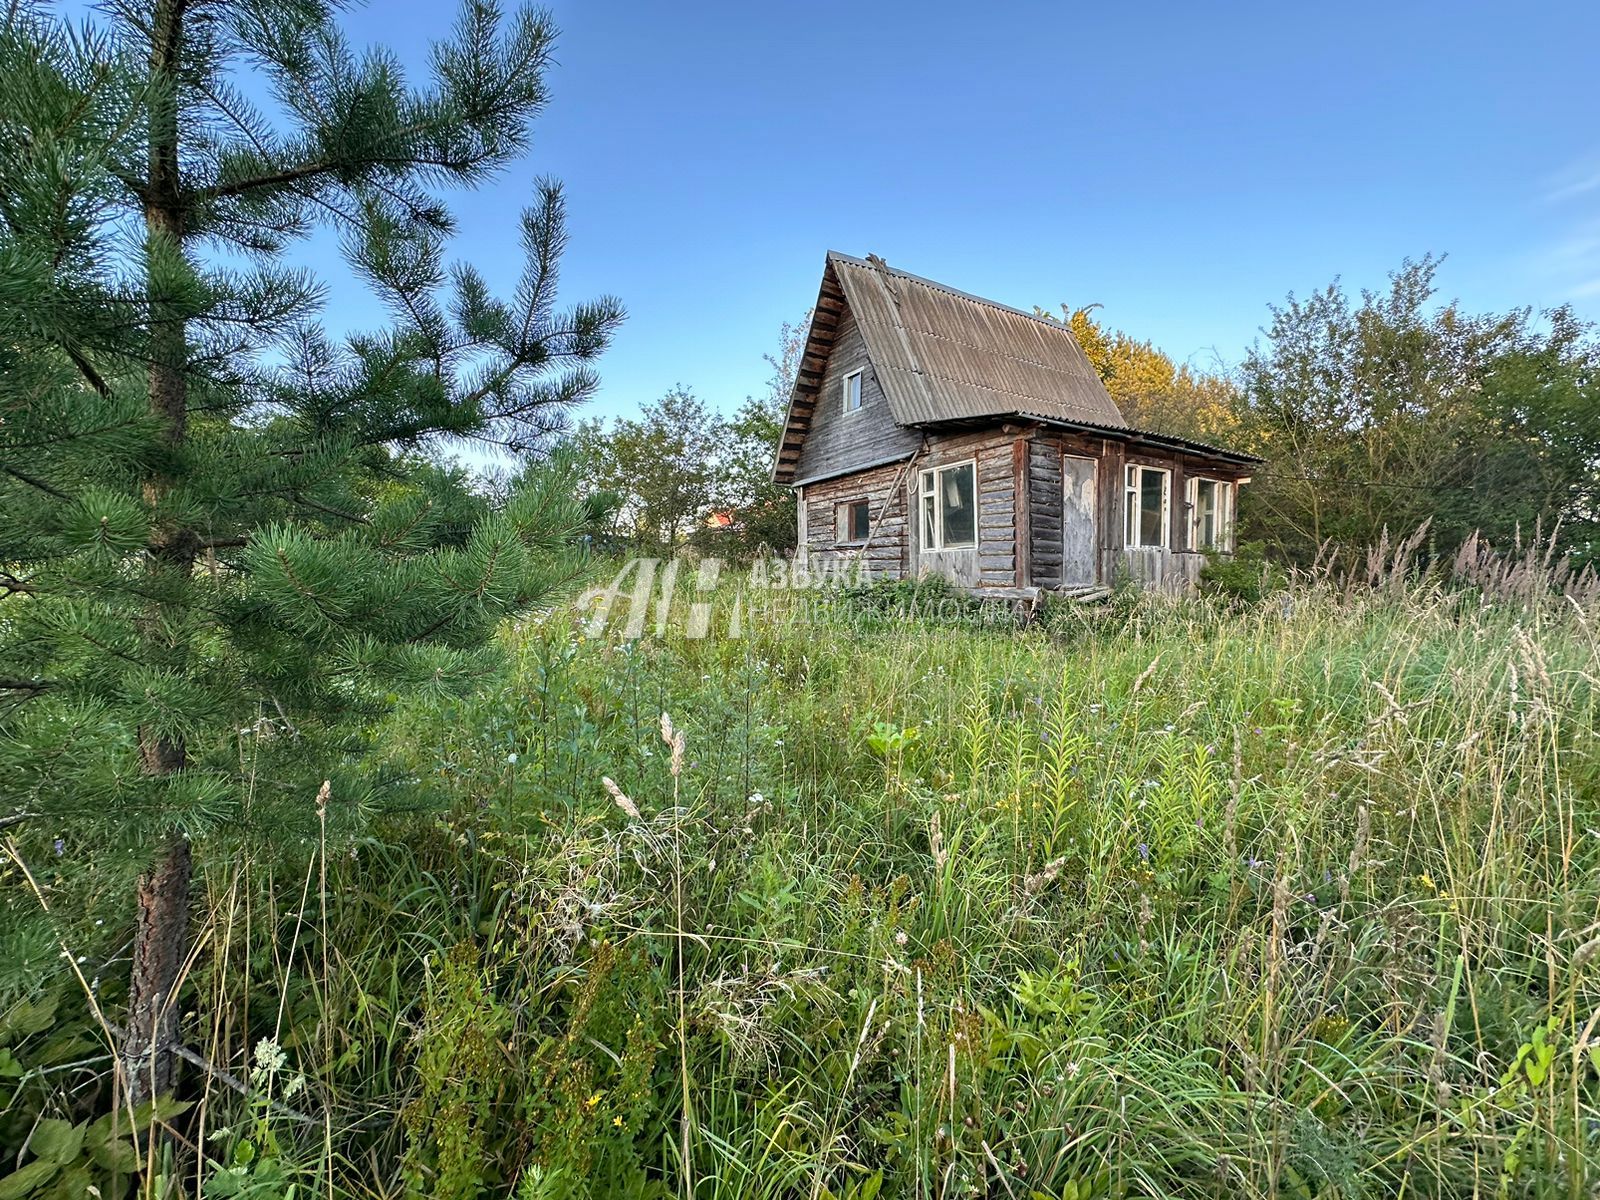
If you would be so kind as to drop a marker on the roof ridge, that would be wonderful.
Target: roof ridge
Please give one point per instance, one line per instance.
(1047, 322)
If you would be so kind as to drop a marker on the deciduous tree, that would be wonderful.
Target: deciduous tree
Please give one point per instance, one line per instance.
(1151, 390)
(1393, 409)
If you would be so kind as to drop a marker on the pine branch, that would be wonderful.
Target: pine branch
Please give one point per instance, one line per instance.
(11, 584)
(40, 484)
(86, 368)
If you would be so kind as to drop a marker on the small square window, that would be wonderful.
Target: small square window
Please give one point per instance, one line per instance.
(855, 521)
(852, 391)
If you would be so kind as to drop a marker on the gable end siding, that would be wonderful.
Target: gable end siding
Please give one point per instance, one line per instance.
(839, 441)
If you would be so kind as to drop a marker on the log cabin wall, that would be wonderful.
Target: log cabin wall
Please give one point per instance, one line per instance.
(993, 561)
(1016, 548)
(1047, 514)
(886, 555)
(1174, 567)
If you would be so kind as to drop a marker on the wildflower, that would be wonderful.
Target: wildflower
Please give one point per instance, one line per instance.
(594, 1100)
(617, 1122)
(60, 847)
(512, 758)
(269, 1056)
(1144, 851)
(900, 938)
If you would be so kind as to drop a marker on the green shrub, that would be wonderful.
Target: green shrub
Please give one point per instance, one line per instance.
(1246, 574)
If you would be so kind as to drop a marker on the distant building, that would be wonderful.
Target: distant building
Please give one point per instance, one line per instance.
(934, 432)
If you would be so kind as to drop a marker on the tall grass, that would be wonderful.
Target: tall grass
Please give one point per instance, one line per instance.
(1165, 899)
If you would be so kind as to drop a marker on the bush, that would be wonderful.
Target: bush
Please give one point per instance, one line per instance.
(1245, 575)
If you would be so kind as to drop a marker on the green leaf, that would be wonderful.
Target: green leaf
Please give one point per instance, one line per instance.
(28, 1017)
(58, 1141)
(115, 1154)
(28, 1180)
(74, 1183)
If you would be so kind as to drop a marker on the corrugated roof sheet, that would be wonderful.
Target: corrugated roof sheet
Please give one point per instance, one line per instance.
(945, 355)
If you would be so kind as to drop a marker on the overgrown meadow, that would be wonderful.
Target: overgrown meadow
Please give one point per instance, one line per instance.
(1294, 898)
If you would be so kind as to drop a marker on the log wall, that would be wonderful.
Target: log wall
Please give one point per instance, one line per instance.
(886, 554)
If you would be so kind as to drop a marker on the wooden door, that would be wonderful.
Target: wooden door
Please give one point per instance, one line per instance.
(1080, 521)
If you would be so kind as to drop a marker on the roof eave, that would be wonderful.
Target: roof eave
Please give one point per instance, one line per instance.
(1128, 434)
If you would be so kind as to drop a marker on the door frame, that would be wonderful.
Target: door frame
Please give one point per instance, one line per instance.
(1094, 518)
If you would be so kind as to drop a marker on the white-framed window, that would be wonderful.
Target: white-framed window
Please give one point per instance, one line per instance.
(851, 392)
(1209, 509)
(1147, 505)
(854, 520)
(949, 506)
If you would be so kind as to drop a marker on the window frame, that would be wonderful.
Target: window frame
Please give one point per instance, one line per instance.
(1133, 506)
(1222, 535)
(928, 489)
(841, 521)
(859, 376)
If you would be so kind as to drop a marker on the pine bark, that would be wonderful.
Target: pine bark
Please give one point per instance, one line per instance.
(160, 944)
(161, 933)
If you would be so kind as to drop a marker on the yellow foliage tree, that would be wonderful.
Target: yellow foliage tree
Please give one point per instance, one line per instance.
(1153, 392)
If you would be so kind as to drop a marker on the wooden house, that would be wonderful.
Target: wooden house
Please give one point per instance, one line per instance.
(931, 431)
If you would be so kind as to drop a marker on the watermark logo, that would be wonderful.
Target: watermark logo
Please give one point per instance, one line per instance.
(708, 595)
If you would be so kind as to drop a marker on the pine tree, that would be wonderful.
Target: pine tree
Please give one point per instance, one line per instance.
(219, 521)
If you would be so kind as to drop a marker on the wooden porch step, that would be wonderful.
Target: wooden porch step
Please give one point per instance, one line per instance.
(1086, 594)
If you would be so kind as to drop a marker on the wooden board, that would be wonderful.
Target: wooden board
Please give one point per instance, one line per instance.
(1080, 521)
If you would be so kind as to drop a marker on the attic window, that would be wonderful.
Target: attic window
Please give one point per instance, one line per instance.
(852, 391)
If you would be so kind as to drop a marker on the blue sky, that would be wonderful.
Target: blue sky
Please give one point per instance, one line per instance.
(1183, 165)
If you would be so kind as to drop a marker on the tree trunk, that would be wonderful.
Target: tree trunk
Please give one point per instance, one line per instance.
(161, 935)
(159, 947)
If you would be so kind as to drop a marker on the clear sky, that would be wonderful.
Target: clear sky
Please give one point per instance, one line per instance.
(1182, 164)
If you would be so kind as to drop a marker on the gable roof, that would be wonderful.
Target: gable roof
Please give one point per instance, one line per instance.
(943, 355)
